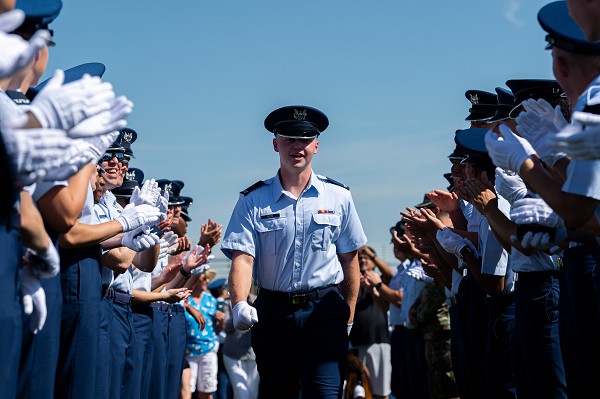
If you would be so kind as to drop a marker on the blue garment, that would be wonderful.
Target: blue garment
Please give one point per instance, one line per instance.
(200, 342)
(539, 369)
(160, 348)
(10, 312)
(305, 350)
(176, 337)
(295, 241)
(142, 324)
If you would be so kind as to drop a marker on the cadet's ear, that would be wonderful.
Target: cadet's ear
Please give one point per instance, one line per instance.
(275, 147)
(316, 145)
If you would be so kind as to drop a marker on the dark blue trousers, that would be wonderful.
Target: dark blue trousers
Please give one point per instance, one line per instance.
(103, 373)
(177, 337)
(472, 315)
(413, 372)
(579, 321)
(301, 347)
(397, 344)
(539, 370)
(142, 324)
(39, 356)
(81, 286)
(10, 311)
(158, 372)
(499, 368)
(457, 351)
(123, 346)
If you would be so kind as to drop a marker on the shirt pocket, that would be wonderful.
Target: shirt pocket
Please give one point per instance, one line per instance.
(270, 232)
(326, 226)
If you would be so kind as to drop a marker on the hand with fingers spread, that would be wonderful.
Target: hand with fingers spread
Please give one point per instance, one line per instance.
(446, 201)
(175, 295)
(183, 245)
(166, 241)
(148, 194)
(196, 258)
(404, 243)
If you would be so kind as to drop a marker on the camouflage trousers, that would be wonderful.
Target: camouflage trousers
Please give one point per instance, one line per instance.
(440, 376)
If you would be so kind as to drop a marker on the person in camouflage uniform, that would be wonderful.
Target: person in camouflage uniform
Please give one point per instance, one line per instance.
(430, 314)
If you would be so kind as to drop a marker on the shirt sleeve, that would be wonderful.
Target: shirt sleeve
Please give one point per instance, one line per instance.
(240, 234)
(352, 236)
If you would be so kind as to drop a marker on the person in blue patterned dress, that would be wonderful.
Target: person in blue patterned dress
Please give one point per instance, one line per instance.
(202, 343)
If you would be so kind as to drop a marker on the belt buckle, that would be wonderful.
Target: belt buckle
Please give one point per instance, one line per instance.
(298, 299)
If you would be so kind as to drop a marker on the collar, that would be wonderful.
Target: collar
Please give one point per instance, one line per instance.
(313, 182)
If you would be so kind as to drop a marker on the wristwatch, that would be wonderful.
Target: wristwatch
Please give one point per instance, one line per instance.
(379, 284)
(184, 273)
(464, 251)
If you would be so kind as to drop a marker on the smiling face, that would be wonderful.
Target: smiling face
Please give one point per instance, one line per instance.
(295, 154)
(113, 165)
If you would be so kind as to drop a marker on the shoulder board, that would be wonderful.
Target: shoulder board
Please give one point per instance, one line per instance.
(337, 183)
(253, 187)
(592, 109)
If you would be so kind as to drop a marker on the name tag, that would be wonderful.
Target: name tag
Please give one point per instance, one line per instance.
(271, 216)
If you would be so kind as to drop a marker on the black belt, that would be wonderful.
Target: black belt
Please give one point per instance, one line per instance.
(299, 297)
(116, 296)
(534, 276)
(160, 306)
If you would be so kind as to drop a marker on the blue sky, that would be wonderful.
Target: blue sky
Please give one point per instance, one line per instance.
(390, 75)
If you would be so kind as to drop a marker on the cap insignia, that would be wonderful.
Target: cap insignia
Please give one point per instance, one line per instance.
(168, 187)
(127, 136)
(299, 115)
(474, 99)
(130, 175)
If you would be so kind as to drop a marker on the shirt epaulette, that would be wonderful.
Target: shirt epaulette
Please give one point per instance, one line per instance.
(337, 183)
(253, 187)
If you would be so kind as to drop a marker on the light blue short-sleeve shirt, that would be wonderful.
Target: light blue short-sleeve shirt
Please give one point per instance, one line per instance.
(583, 177)
(295, 241)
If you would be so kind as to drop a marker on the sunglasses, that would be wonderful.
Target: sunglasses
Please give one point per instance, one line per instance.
(121, 157)
(457, 160)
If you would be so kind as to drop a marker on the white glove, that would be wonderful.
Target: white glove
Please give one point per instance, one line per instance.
(507, 152)
(140, 239)
(535, 210)
(76, 157)
(35, 151)
(452, 242)
(509, 185)
(537, 126)
(349, 328)
(99, 144)
(163, 205)
(167, 240)
(580, 140)
(34, 300)
(105, 121)
(542, 240)
(133, 217)
(44, 264)
(16, 53)
(64, 106)
(148, 194)
(244, 316)
(543, 108)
